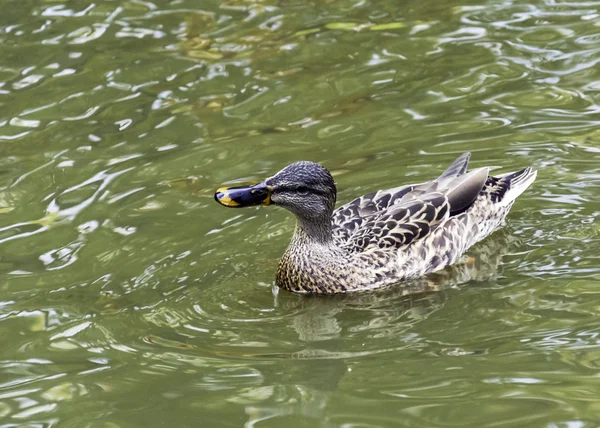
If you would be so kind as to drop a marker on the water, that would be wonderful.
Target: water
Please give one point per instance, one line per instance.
(129, 298)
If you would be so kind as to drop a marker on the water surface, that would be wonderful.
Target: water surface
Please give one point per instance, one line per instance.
(129, 298)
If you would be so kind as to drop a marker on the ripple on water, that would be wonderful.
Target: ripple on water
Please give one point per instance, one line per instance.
(130, 299)
(549, 98)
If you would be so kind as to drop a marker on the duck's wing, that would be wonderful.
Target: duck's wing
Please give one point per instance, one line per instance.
(350, 214)
(398, 225)
(398, 216)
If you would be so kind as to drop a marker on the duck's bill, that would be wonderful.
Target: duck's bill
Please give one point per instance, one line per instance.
(244, 196)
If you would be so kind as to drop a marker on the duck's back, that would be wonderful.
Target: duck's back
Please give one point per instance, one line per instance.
(429, 225)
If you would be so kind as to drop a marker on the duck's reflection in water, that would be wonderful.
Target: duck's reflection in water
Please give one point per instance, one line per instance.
(331, 326)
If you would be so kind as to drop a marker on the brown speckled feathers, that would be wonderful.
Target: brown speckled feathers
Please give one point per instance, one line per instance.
(396, 217)
(392, 235)
(384, 237)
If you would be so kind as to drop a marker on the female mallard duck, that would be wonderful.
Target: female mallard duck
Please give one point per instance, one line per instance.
(384, 237)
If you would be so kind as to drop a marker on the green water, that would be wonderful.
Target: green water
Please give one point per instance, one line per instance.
(129, 298)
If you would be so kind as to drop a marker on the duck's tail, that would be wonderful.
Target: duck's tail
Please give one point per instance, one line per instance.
(515, 183)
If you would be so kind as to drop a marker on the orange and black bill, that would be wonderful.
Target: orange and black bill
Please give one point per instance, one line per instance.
(244, 196)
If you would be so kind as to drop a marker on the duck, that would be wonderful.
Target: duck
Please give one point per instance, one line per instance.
(386, 237)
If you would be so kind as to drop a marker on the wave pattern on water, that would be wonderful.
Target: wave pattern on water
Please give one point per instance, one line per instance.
(129, 298)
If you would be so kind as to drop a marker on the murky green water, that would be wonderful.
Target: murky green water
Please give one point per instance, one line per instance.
(128, 298)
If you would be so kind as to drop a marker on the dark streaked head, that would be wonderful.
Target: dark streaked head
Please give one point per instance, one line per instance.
(305, 188)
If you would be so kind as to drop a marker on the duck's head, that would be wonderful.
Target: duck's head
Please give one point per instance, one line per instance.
(305, 188)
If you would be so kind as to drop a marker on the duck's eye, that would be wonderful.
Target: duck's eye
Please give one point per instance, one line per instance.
(302, 190)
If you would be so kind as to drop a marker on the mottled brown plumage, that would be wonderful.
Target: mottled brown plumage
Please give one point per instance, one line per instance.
(384, 237)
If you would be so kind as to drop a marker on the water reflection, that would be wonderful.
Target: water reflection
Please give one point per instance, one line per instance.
(127, 300)
(326, 325)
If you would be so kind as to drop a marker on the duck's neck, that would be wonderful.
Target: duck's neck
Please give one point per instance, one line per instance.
(313, 262)
(313, 231)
